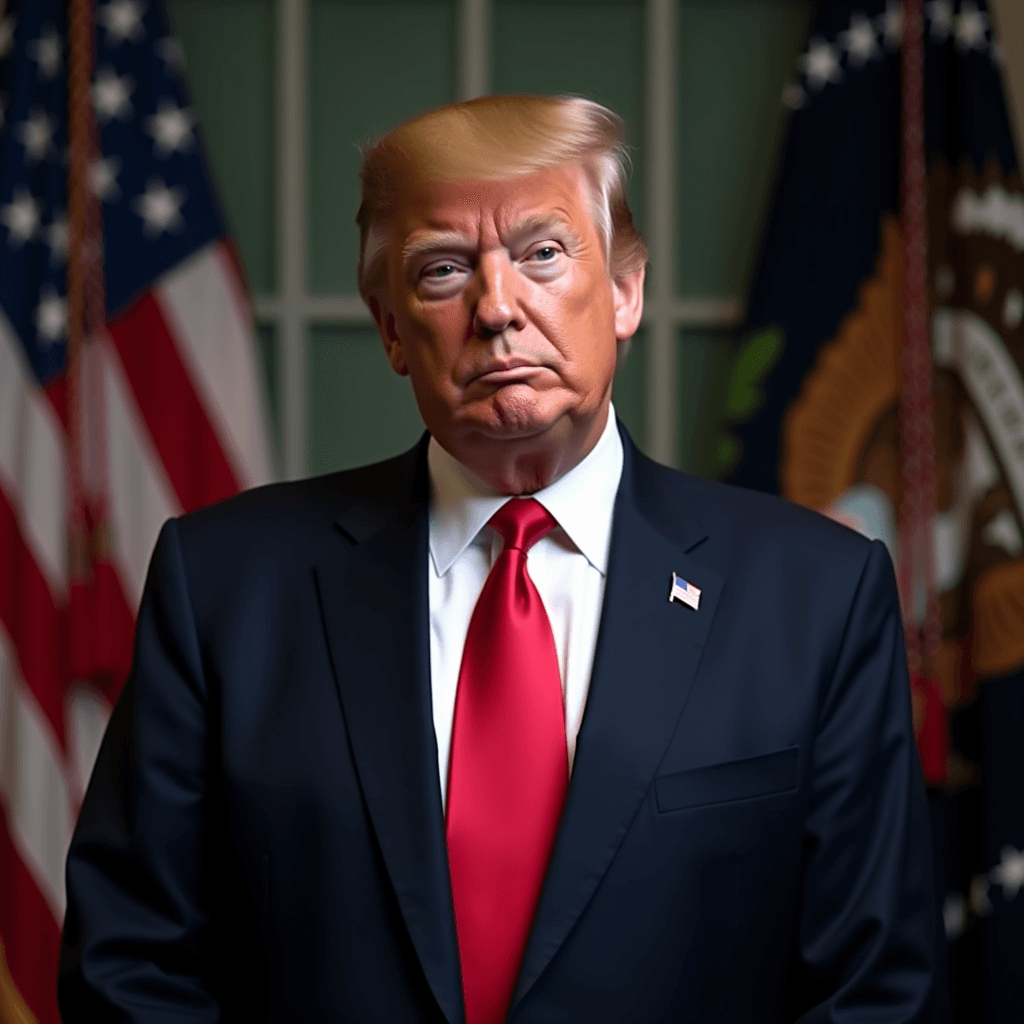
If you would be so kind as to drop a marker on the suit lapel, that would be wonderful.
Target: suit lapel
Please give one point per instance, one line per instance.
(374, 599)
(647, 653)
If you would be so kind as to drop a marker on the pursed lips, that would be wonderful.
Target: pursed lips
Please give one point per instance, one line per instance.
(506, 372)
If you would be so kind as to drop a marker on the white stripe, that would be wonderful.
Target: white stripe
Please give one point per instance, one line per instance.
(141, 498)
(33, 787)
(201, 302)
(32, 461)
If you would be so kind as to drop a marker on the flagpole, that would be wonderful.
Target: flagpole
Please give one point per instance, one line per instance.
(919, 596)
(79, 75)
(88, 540)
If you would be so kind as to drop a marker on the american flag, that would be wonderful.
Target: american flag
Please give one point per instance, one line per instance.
(685, 592)
(169, 413)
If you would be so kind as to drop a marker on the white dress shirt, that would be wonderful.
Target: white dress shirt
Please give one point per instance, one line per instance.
(568, 567)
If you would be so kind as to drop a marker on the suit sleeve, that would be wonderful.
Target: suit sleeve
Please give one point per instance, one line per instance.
(133, 931)
(867, 917)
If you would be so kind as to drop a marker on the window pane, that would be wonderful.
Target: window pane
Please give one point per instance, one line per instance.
(704, 359)
(228, 63)
(591, 49)
(360, 411)
(734, 59)
(371, 66)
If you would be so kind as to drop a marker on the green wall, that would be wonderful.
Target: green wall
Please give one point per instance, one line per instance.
(373, 64)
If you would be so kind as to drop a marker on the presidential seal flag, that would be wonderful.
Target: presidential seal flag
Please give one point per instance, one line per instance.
(899, 218)
(130, 391)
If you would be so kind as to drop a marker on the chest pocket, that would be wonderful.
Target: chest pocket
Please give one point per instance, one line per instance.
(766, 775)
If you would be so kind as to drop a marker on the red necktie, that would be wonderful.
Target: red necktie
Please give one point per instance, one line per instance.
(508, 772)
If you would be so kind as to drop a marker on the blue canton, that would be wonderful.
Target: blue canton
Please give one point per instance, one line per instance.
(151, 177)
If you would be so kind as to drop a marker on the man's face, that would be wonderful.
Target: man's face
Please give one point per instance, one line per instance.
(502, 313)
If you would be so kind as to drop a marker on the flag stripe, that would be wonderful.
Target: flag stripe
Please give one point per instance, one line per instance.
(32, 460)
(168, 415)
(200, 298)
(185, 443)
(31, 620)
(33, 786)
(31, 935)
(141, 497)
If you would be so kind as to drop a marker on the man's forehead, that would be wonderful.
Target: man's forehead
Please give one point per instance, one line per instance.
(547, 198)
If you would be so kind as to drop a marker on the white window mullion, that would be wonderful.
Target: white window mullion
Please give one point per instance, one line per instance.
(659, 131)
(473, 56)
(290, 159)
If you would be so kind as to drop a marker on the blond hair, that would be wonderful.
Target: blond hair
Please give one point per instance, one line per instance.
(499, 137)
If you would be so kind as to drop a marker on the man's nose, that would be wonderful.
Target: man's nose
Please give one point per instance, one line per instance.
(497, 306)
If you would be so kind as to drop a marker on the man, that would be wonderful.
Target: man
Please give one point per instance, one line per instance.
(518, 724)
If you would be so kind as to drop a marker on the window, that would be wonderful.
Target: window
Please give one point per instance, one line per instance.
(285, 89)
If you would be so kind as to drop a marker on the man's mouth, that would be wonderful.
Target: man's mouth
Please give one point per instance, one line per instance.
(515, 370)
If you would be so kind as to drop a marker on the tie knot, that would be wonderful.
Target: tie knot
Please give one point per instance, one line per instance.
(522, 522)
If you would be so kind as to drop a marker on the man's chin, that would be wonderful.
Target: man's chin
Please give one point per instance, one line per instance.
(514, 413)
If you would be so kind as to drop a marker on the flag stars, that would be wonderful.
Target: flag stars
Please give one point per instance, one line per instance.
(171, 127)
(56, 235)
(1009, 872)
(160, 208)
(793, 96)
(21, 216)
(971, 27)
(941, 14)
(36, 135)
(860, 41)
(51, 316)
(6, 36)
(46, 51)
(890, 24)
(103, 178)
(123, 20)
(821, 64)
(170, 52)
(111, 95)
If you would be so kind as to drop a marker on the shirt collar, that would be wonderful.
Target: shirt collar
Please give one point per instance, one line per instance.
(581, 501)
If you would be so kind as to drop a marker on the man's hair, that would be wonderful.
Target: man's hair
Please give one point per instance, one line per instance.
(496, 138)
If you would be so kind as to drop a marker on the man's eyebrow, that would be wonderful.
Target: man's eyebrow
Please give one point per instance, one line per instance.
(431, 241)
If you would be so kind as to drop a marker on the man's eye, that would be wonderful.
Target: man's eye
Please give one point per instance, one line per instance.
(441, 271)
(550, 250)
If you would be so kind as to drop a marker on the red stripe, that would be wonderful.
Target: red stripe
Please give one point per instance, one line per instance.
(31, 936)
(37, 627)
(57, 394)
(101, 629)
(184, 438)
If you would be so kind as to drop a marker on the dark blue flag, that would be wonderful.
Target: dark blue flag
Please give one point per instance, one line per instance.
(813, 407)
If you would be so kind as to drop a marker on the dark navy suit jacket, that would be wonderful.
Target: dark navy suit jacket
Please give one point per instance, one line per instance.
(745, 835)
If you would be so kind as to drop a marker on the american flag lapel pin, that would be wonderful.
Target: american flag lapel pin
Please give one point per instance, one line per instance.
(685, 593)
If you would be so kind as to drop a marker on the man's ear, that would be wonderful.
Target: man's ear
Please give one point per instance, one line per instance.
(628, 300)
(387, 329)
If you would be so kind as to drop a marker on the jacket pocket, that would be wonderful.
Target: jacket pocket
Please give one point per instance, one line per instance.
(766, 775)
